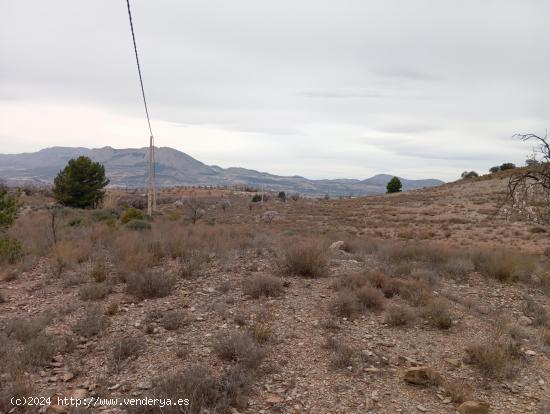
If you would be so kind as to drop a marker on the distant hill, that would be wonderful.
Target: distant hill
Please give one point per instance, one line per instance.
(127, 168)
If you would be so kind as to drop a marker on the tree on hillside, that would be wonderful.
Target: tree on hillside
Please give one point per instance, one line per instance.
(281, 196)
(494, 169)
(394, 185)
(469, 174)
(10, 248)
(80, 184)
(9, 205)
(507, 166)
(528, 194)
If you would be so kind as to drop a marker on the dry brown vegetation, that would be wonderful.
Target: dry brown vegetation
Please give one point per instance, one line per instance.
(242, 314)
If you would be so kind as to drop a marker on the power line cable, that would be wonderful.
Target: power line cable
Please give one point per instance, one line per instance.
(138, 67)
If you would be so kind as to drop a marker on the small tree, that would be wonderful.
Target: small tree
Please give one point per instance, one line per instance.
(281, 196)
(494, 169)
(507, 166)
(9, 205)
(195, 209)
(10, 248)
(80, 184)
(394, 185)
(528, 194)
(469, 174)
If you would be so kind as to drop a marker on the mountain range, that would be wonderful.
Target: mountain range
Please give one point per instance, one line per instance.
(127, 168)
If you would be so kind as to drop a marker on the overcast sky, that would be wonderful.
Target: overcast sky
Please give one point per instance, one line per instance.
(323, 89)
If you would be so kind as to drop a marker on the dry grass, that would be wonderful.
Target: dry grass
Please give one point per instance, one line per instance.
(504, 266)
(99, 271)
(458, 391)
(262, 333)
(305, 258)
(342, 355)
(20, 387)
(123, 349)
(72, 252)
(25, 329)
(240, 347)
(370, 298)
(388, 286)
(149, 284)
(93, 323)
(174, 320)
(351, 281)
(38, 351)
(263, 285)
(94, 291)
(205, 391)
(438, 314)
(345, 304)
(536, 312)
(496, 358)
(399, 315)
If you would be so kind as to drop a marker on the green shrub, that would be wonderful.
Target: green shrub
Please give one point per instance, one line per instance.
(139, 225)
(131, 214)
(75, 222)
(257, 198)
(10, 250)
(105, 214)
(9, 207)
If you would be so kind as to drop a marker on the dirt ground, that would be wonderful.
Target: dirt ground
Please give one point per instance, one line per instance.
(320, 352)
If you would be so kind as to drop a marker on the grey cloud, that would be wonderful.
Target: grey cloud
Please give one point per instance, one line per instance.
(294, 75)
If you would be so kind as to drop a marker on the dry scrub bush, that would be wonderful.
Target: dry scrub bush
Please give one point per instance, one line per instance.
(350, 281)
(124, 348)
(388, 286)
(72, 252)
(345, 304)
(25, 329)
(415, 293)
(399, 315)
(38, 351)
(370, 298)
(342, 355)
(536, 312)
(205, 391)
(34, 232)
(261, 332)
(305, 258)
(426, 276)
(132, 253)
(99, 271)
(458, 391)
(360, 247)
(149, 284)
(174, 320)
(458, 267)
(263, 285)
(504, 266)
(498, 357)
(396, 253)
(190, 263)
(94, 291)
(545, 336)
(93, 323)
(20, 387)
(438, 314)
(239, 346)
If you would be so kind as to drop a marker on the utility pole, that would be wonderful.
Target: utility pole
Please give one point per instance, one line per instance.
(151, 194)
